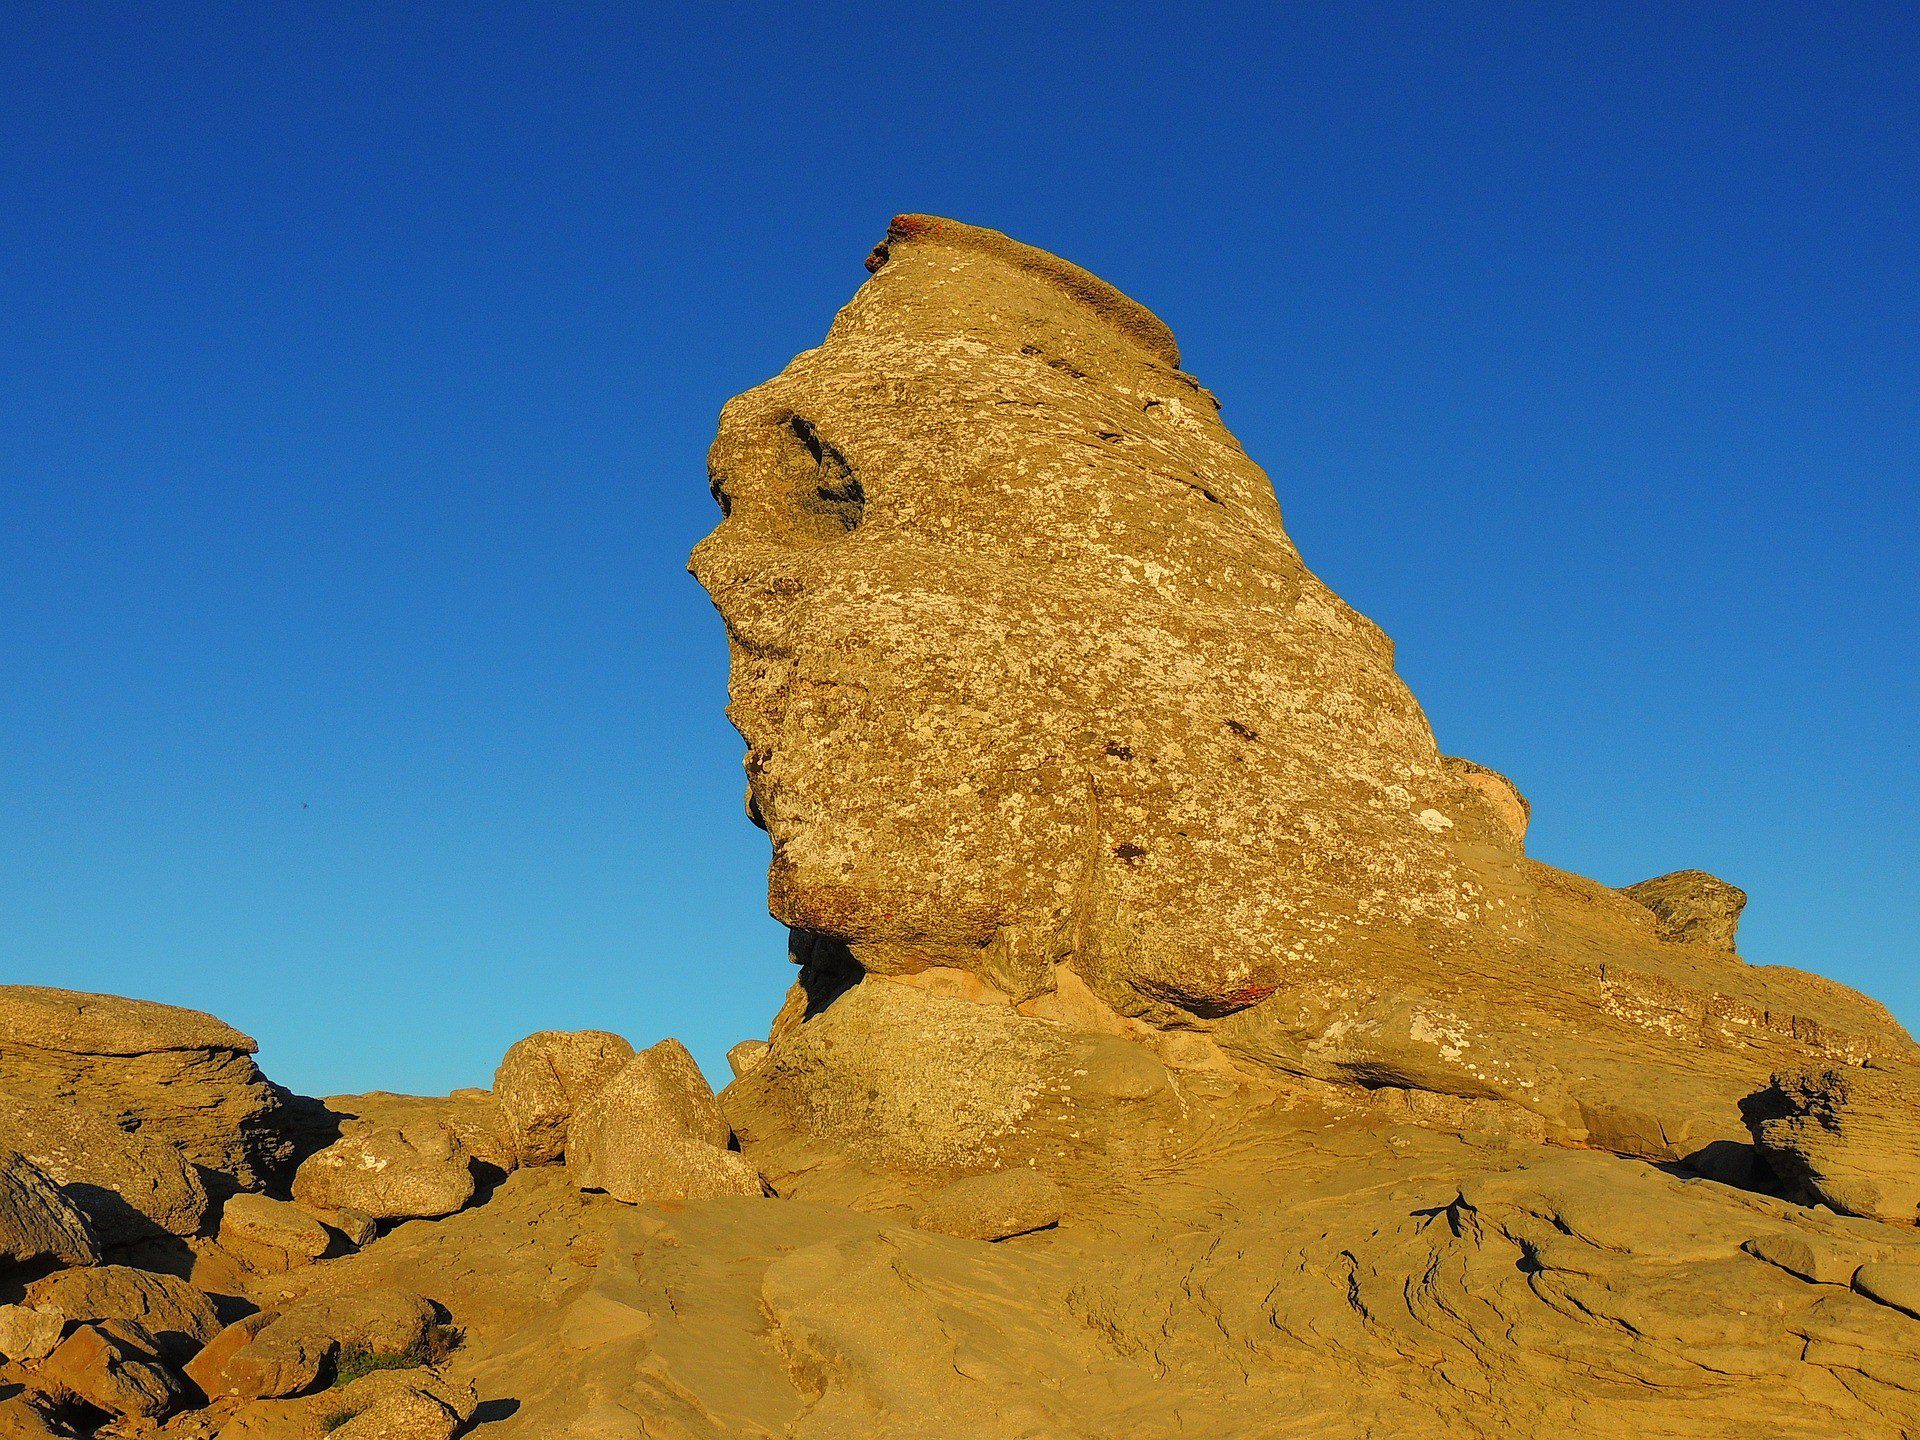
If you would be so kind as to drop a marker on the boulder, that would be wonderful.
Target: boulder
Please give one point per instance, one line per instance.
(1499, 793)
(1691, 907)
(994, 1206)
(543, 1077)
(897, 1079)
(473, 1117)
(288, 1351)
(38, 1223)
(109, 1372)
(27, 1333)
(178, 1317)
(415, 1171)
(268, 1235)
(132, 1186)
(655, 1132)
(744, 1056)
(1032, 680)
(1844, 1136)
(173, 1074)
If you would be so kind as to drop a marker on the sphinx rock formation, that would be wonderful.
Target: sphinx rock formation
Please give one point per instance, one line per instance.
(1045, 711)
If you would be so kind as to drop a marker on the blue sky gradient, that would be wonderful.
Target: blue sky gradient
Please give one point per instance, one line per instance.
(359, 364)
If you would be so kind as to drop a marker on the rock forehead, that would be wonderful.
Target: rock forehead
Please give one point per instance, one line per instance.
(1032, 678)
(85, 1024)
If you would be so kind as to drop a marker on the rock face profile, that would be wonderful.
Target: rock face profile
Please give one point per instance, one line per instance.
(1182, 1044)
(1036, 690)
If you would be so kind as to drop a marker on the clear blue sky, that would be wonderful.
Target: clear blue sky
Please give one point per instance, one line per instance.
(357, 365)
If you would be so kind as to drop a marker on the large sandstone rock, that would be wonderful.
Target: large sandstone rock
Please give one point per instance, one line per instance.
(132, 1186)
(38, 1223)
(1846, 1137)
(178, 1317)
(174, 1074)
(543, 1077)
(655, 1132)
(1032, 680)
(415, 1171)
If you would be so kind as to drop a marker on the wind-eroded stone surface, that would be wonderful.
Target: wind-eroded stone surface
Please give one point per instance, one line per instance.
(1035, 685)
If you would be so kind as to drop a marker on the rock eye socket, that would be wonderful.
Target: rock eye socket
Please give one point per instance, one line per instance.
(831, 494)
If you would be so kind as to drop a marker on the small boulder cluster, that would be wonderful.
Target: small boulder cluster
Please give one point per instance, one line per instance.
(156, 1189)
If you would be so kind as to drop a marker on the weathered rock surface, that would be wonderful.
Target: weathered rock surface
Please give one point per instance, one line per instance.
(1033, 682)
(407, 1172)
(1691, 907)
(177, 1075)
(411, 1404)
(28, 1334)
(743, 1057)
(178, 1317)
(1299, 1273)
(23, 1418)
(38, 1223)
(995, 1206)
(1844, 1136)
(655, 1132)
(271, 1235)
(543, 1077)
(131, 1186)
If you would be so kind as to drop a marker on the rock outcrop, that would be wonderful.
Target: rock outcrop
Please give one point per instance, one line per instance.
(1691, 907)
(1181, 1045)
(172, 1074)
(131, 1186)
(1035, 687)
